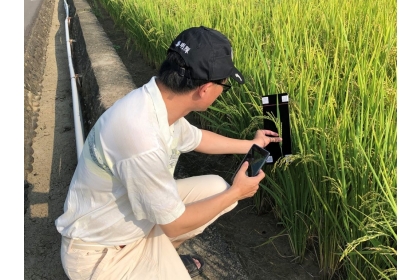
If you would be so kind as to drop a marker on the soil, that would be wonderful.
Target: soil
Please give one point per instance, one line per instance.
(50, 160)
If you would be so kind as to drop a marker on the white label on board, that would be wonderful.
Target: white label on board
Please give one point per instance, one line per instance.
(265, 100)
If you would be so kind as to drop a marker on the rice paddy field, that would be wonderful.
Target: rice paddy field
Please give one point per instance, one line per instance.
(337, 61)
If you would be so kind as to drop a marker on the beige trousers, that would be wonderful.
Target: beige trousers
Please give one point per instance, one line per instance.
(152, 257)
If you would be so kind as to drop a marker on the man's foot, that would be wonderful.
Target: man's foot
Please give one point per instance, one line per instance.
(193, 263)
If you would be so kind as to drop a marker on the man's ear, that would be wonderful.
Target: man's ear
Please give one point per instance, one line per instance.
(204, 89)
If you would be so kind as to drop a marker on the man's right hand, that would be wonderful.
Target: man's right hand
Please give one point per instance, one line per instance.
(244, 186)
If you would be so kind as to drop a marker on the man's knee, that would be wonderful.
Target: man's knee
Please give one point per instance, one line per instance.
(200, 187)
(218, 184)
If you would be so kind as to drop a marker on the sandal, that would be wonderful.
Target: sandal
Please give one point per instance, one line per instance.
(190, 264)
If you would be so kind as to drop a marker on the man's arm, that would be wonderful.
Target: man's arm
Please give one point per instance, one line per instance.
(213, 143)
(201, 212)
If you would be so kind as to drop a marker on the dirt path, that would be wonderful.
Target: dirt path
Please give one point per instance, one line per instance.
(54, 161)
(54, 158)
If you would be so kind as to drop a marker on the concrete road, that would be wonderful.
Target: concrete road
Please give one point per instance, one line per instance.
(31, 11)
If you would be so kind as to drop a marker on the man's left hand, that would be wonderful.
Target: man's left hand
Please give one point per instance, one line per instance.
(264, 137)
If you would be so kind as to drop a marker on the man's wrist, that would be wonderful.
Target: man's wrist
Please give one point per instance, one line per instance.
(232, 194)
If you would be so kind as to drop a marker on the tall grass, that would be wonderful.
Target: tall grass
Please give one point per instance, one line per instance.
(337, 61)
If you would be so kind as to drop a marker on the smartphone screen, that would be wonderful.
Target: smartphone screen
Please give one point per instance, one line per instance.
(256, 157)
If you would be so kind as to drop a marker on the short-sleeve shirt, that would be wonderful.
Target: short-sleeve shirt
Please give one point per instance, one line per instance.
(123, 184)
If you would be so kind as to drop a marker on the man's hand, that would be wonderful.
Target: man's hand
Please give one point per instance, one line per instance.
(264, 137)
(244, 186)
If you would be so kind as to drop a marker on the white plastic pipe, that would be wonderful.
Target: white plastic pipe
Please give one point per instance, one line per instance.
(78, 120)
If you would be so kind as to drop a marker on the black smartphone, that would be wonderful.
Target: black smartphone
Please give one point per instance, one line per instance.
(256, 157)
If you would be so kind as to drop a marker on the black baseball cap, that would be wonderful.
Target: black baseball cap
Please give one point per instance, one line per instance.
(207, 53)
